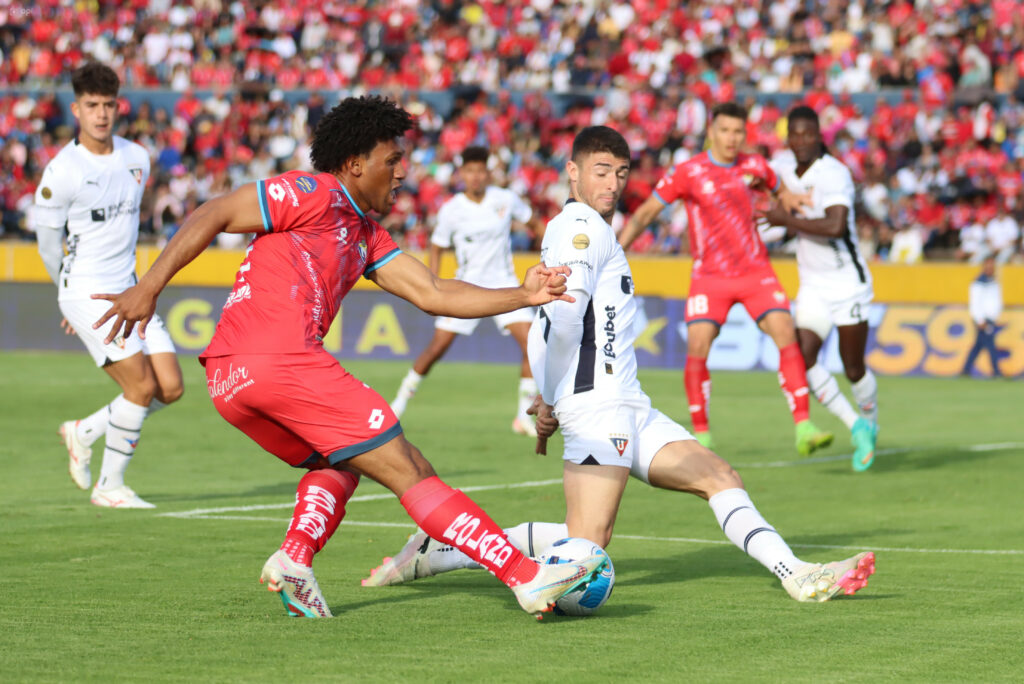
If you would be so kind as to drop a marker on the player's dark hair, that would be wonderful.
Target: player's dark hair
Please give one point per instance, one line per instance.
(354, 127)
(803, 113)
(731, 109)
(599, 139)
(93, 78)
(476, 153)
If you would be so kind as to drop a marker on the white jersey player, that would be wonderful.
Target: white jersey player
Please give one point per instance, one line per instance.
(477, 223)
(835, 283)
(93, 190)
(582, 355)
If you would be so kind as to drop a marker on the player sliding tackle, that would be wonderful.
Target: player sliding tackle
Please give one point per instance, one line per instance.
(582, 355)
(269, 375)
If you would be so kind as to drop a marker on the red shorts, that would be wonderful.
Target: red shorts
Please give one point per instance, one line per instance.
(300, 407)
(711, 297)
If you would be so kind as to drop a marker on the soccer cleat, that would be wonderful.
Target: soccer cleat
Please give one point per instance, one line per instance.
(296, 586)
(863, 435)
(79, 454)
(118, 497)
(552, 582)
(409, 564)
(524, 426)
(704, 439)
(816, 582)
(809, 438)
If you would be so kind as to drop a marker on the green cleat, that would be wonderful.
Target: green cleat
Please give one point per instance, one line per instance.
(704, 439)
(809, 438)
(863, 436)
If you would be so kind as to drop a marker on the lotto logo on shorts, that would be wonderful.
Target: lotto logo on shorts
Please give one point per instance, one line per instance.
(620, 442)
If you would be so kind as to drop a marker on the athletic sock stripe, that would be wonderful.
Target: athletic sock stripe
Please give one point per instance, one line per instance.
(115, 425)
(529, 536)
(129, 454)
(746, 542)
(726, 521)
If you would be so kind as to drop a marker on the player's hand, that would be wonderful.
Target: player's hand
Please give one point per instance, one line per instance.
(65, 325)
(775, 215)
(794, 202)
(546, 423)
(135, 305)
(545, 284)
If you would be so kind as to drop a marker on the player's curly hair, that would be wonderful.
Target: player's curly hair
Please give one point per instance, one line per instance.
(803, 113)
(93, 78)
(354, 127)
(475, 153)
(599, 139)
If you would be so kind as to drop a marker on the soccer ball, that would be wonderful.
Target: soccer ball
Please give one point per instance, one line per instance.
(586, 598)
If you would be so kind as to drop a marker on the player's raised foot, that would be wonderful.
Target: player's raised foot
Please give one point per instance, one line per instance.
(411, 563)
(296, 585)
(815, 582)
(524, 426)
(552, 582)
(863, 436)
(704, 439)
(118, 497)
(809, 438)
(79, 454)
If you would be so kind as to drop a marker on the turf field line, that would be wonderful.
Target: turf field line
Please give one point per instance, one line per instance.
(210, 512)
(863, 547)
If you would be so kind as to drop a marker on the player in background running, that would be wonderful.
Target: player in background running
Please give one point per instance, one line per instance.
(585, 364)
(730, 265)
(835, 283)
(269, 375)
(477, 223)
(92, 190)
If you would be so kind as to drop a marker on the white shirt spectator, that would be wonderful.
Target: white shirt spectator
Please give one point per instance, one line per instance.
(973, 242)
(985, 300)
(907, 246)
(1002, 233)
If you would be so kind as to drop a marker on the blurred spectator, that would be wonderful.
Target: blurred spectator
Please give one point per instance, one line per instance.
(985, 302)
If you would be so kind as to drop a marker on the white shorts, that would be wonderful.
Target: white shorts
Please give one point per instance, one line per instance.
(818, 310)
(625, 432)
(82, 313)
(466, 326)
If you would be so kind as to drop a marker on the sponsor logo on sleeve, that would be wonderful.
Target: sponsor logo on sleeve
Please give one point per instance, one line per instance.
(46, 193)
(136, 174)
(580, 241)
(99, 214)
(306, 184)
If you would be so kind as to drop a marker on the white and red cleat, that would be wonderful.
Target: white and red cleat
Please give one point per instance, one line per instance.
(79, 454)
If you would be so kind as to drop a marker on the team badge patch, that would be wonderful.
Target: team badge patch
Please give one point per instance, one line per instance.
(362, 251)
(137, 175)
(46, 193)
(620, 442)
(780, 296)
(306, 184)
(580, 241)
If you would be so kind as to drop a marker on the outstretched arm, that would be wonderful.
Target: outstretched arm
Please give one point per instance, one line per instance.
(833, 225)
(407, 277)
(640, 219)
(236, 212)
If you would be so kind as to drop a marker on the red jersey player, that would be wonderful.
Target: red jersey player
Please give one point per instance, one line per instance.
(730, 264)
(269, 375)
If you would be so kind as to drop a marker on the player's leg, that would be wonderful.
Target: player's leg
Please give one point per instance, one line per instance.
(160, 351)
(814, 322)
(434, 351)
(523, 423)
(667, 458)
(993, 352)
(778, 324)
(975, 350)
(124, 427)
(707, 307)
(864, 431)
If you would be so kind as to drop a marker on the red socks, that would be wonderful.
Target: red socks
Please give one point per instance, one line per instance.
(319, 507)
(450, 516)
(698, 391)
(793, 380)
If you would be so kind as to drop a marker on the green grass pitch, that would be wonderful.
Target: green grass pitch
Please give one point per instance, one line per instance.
(90, 594)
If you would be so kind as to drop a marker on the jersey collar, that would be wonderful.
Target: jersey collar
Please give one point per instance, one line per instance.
(350, 200)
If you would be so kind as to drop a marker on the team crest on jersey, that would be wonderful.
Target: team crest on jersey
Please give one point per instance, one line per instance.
(708, 188)
(362, 250)
(780, 296)
(137, 175)
(306, 184)
(580, 241)
(620, 442)
(748, 179)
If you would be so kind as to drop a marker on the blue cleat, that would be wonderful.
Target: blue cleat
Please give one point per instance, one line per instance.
(863, 436)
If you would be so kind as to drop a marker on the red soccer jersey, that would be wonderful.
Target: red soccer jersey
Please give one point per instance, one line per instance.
(289, 288)
(720, 204)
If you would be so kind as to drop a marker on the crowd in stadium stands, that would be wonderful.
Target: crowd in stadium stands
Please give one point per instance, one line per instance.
(940, 172)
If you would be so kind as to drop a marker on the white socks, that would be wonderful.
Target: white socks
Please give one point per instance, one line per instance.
(406, 390)
(865, 393)
(826, 390)
(123, 431)
(91, 427)
(745, 528)
(527, 392)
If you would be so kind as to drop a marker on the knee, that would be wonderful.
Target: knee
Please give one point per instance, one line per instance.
(855, 371)
(719, 477)
(169, 395)
(141, 392)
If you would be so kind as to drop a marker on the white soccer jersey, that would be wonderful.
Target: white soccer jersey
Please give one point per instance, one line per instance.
(480, 234)
(825, 262)
(98, 198)
(603, 364)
